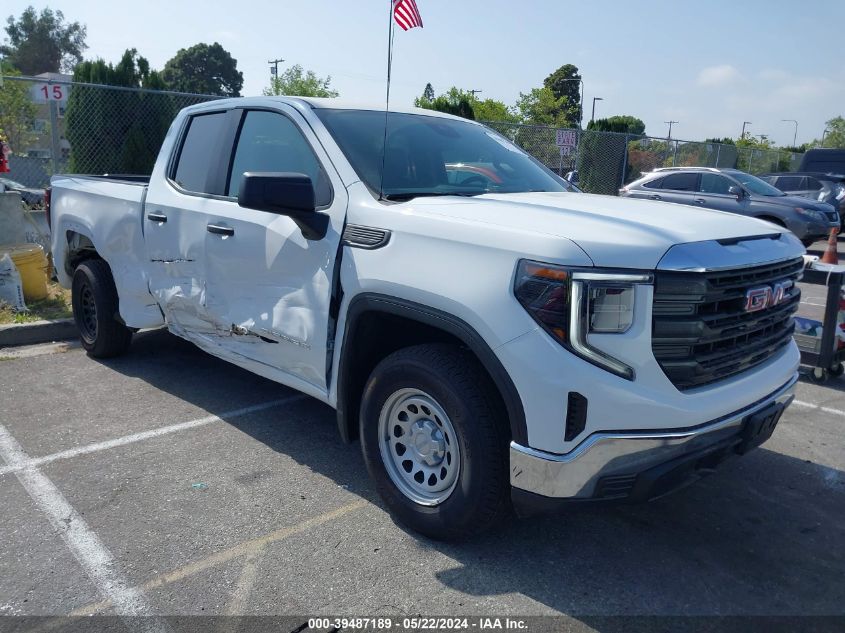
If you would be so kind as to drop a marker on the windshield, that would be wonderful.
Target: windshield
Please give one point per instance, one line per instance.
(755, 185)
(434, 156)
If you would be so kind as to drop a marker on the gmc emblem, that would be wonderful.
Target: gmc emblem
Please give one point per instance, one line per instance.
(767, 296)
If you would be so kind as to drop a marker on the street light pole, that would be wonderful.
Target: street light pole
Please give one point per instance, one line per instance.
(795, 135)
(475, 92)
(593, 116)
(744, 123)
(823, 135)
(669, 138)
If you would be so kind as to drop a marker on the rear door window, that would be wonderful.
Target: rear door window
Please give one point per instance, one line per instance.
(198, 159)
(684, 181)
(657, 183)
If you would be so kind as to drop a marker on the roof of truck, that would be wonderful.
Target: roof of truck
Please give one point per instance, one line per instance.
(319, 103)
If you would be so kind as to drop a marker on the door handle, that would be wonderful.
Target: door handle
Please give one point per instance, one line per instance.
(218, 229)
(700, 200)
(655, 197)
(156, 217)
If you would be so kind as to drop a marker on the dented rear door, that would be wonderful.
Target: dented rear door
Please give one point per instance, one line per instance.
(271, 285)
(177, 212)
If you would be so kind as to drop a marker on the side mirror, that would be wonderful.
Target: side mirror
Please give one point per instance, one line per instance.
(287, 194)
(739, 192)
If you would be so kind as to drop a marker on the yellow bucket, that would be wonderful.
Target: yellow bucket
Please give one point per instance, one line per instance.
(31, 263)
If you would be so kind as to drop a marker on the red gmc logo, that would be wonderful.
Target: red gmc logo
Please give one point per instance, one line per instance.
(767, 296)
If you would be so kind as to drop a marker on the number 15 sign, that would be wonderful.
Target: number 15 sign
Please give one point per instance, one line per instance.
(44, 93)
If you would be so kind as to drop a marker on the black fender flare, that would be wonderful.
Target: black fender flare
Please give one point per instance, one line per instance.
(347, 403)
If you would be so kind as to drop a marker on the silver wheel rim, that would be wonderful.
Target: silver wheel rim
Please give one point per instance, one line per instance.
(419, 447)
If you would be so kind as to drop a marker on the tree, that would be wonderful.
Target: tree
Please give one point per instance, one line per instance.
(117, 131)
(428, 93)
(565, 82)
(455, 101)
(44, 42)
(835, 136)
(493, 110)
(542, 107)
(17, 112)
(204, 69)
(297, 82)
(625, 124)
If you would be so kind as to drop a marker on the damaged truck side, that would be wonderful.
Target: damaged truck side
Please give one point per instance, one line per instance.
(494, 338)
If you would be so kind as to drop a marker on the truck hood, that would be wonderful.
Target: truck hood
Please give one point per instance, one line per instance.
(614, 232)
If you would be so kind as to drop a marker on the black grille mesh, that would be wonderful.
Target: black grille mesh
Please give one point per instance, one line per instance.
(701, 332)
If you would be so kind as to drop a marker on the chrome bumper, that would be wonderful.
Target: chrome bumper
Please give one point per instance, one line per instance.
(575, 474)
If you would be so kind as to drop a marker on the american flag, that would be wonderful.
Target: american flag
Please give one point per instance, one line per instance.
(406, 14)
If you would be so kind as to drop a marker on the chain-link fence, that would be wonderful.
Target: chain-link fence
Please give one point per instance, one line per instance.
(605, 161)
(55, 126)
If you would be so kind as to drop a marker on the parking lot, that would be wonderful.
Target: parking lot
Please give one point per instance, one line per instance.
(170, 482)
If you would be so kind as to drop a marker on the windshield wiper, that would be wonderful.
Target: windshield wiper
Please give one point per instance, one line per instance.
(410, 195)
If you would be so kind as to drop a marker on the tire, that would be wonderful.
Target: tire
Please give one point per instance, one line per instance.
(95, 306)
(836, 370)
(461, 442)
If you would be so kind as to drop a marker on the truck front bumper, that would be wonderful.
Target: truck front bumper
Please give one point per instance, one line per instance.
(639, 465)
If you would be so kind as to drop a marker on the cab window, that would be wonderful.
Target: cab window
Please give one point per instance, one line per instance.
(271, 142)
(198, 156)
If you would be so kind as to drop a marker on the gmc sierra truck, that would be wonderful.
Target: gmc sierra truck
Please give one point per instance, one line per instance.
(495, 338)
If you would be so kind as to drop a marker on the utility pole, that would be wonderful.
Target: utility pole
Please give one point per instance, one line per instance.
(669, 123)
(795, 135)
(823, 135)
(744, 123)
(274, 67)
(475, 92)
(593, 116)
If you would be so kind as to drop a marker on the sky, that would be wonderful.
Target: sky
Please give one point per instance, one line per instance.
(707, 65)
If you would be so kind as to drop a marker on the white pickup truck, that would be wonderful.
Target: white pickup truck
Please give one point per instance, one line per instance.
(495, 338)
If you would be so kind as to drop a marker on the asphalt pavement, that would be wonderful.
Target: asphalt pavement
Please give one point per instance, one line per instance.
(169, 482)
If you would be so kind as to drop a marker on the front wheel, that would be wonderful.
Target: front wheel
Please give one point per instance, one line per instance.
(95, 310)
(435, 443)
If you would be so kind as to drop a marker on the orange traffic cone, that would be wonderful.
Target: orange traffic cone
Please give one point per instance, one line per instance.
(831, 255)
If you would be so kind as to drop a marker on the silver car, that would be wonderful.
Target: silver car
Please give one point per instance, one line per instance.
(736, 192)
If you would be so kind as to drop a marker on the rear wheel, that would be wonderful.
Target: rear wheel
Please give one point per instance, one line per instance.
(434, 442)
(95, 310)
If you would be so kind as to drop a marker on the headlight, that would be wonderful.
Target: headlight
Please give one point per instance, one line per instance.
(569, 304)
(811, 213)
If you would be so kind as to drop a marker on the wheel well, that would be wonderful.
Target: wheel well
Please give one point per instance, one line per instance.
(378, 326)
(80, 248)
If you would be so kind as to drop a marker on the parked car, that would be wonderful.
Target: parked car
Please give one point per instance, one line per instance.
(501, 341)
(829, 188)
(735, 191)
(828, 161)
(31, 196)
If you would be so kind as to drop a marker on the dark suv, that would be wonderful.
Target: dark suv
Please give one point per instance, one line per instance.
(814, 185)
(736, 192)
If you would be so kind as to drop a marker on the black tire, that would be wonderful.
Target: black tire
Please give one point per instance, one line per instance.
(95, 310)
(836, 370)
(454, 379)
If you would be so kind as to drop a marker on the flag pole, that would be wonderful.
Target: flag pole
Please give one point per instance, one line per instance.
(387, 96)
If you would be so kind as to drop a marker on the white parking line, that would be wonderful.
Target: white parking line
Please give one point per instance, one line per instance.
(818, 407)
(84, 544)
(145, 435)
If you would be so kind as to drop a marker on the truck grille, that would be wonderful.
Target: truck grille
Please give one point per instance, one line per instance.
(701, 332)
